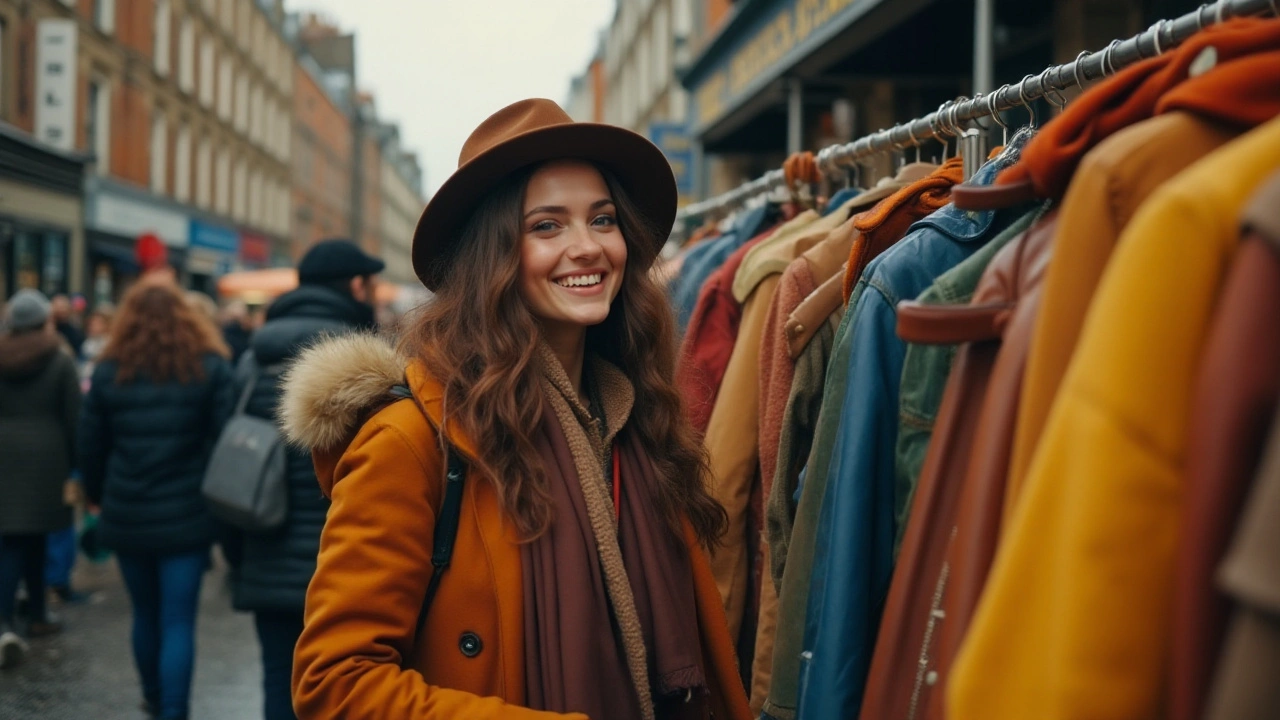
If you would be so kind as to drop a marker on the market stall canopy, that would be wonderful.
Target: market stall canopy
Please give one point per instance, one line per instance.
(259, 287)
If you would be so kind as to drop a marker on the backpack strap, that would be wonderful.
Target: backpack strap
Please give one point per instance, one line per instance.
(446, 529)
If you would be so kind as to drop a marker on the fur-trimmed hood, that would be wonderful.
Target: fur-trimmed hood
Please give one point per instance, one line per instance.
(333, 384)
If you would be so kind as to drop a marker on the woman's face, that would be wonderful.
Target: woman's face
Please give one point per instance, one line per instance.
(572, 254)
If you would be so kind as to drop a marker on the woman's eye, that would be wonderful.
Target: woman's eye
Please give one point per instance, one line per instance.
(604, 221)
(543, 226)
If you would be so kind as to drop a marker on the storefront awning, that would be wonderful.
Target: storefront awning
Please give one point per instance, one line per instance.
(737, 74)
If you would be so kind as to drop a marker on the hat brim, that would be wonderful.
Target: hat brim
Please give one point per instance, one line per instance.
(639, 166)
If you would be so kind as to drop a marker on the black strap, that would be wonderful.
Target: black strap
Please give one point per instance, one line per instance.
(446, 530)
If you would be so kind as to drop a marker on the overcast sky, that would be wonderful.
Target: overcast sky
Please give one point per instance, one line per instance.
(440, 67)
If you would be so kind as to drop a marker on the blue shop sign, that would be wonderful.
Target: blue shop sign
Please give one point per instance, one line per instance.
(762, 40)
(215, 237)
(673, 140)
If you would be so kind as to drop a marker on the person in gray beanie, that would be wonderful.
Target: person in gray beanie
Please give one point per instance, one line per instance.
(39, 409)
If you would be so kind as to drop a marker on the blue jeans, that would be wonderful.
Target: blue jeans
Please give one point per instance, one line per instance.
(278, 633)
(61, 557)
(165, 590)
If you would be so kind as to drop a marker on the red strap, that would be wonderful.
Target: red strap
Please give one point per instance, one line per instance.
(617, 485)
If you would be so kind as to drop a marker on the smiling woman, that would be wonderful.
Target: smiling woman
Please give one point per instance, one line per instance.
(546, 360)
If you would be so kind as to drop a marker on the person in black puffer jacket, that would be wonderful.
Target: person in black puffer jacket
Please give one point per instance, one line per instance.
(158, 399)
(335, 295)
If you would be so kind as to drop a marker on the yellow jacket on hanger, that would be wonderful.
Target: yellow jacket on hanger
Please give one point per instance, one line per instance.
(1076, 620)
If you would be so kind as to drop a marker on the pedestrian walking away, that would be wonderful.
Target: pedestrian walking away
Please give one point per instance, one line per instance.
(39, 409)
(334, 297)
(159, 396)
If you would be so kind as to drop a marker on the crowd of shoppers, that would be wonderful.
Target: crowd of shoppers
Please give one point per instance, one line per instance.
(117, 414)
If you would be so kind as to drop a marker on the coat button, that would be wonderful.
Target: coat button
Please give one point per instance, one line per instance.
(470, 644)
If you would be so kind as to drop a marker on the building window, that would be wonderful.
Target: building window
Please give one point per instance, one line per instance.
(255, 115)
(227, 16)
(244, 21)
(242, 102)
(206, 71)
(164, 24)
(186, 56)
(159, 153)
(4, 37)
(239, 192)
(225, 82)
(182, 165)
(283, 65)
(97, 131)
(104, 15)
(204, 174)
(222, 184)
(661, 48)
(256, 39)
(255, 199)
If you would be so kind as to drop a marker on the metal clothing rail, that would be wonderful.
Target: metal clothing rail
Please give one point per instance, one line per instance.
(948, 120)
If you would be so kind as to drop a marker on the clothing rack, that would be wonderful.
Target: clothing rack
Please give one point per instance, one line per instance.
(949, 119)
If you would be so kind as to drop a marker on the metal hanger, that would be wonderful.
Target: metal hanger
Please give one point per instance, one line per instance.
(1051, 94)
(1034, 122)
(995, 116)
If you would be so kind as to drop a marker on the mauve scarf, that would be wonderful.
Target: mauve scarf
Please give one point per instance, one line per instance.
(611, 626)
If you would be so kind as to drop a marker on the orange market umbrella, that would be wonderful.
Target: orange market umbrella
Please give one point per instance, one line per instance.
(256, 287)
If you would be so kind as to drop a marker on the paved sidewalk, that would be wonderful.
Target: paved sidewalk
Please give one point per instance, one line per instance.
(87, 672)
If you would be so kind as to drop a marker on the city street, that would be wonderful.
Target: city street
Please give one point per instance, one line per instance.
(87, 672)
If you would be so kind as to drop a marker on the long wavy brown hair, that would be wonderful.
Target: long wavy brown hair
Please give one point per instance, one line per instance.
(479, 339)
(157, 334)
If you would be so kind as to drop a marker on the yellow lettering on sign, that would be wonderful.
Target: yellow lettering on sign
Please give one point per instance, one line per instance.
(763, 51)
(710, 98)
(675, 143)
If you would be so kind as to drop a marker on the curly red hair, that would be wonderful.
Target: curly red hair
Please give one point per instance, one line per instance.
(158, 334)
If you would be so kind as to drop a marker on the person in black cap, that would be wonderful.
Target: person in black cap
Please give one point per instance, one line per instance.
(335, 295)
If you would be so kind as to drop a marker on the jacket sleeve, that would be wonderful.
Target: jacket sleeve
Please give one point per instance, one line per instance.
(94, 437)
(223, 387)
(71, 400)
(363, 601)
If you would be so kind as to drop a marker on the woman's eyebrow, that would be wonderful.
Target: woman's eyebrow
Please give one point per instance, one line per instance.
(562, 210)
(552, 209)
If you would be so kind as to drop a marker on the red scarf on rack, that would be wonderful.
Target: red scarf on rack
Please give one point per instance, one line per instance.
(1240, 89)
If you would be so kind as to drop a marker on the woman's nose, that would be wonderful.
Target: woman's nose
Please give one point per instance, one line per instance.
(583, 243)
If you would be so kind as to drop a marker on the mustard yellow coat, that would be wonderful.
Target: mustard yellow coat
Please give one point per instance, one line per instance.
(374, 563)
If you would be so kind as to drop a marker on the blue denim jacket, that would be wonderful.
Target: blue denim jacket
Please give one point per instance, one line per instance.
(853, 561)
(707, 258)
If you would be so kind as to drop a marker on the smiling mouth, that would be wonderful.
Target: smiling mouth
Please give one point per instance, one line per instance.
(581, 281)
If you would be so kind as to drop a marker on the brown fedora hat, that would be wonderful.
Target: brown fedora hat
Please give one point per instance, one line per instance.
(525, 133)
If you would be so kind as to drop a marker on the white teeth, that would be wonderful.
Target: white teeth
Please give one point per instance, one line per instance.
(580, 280)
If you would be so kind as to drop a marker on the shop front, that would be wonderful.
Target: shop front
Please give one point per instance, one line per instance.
(117, 216)
(214, 252)
(41, 216)
(782, 76)
(255, 250)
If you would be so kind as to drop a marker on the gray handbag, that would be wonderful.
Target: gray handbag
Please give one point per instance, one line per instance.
(244, 484)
